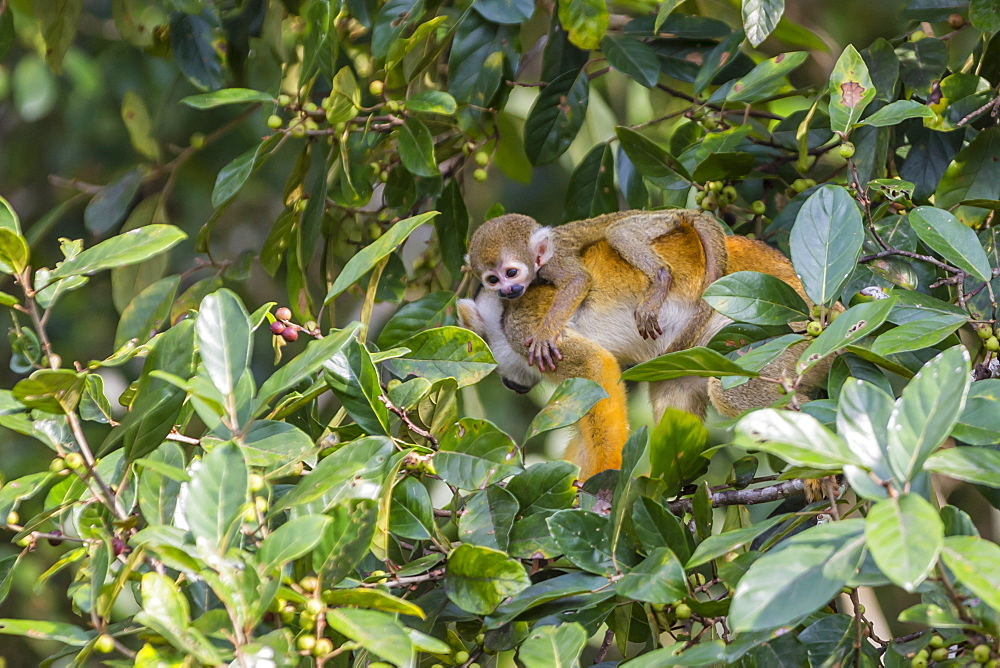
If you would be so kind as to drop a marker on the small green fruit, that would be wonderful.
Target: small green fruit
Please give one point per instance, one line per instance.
(325, 646)
(274, 121)
(376, 87)
(759, 207)
(714, 186)
(730, 193)
(918, 662)
(940, 654)
(981, 653)
(993, 344)
(936, 641)
(392, 106)
(74, 460)
(13, 517)
(104, 644)
(710, 202)
(309, 583)
(799, 185)
(480, 175)
(814, 328)
(298, 131)
(846, 150)
(197, 140)
(482, 158)
(57, 465)
(313, 606)
(310, 107)
(306, 643)
(284, 100)
(461, 657)
(682, 611)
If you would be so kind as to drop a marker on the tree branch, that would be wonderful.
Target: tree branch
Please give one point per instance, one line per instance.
(744, 497)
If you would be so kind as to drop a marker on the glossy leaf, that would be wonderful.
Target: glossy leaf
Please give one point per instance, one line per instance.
(985, 15)
(474, 453)
(411, 514)
(557, 115)
(305, 363)
(633, 58)
(897, 112)
(917, 334)
(766, 78)
(760, 18)
(905, 536)
(505, 11)
(690, 362)
(653, 162)
(929, 407)
(365, 260)
(591, 191)
(223, 328)
(445, 352)
(797, 438)
(721, 544)
(479, 579)
(378, 632)
(570, 402)
(354, 380)
(40, 629)
(973, 562)
(972, 174)
(290, 541)
(826, 242)
(544, 486)
(760, 299)
(226, 96)
(675, 448)
(658, 579)
(977, 465)
(550, 646)
(583, 538)
(586, 21)
(488, 518)
(127, 248)
(110, 205)
(797, 577)
(956, 243)
(980, 422)
(850, 326)
(851, 90)
(147, 311)
(14, 252)
(216, 497)
(416, 148)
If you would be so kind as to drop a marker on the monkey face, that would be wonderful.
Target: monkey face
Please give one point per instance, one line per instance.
(509, 279)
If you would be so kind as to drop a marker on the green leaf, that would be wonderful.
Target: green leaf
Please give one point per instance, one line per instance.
(760, 299)
(505, 11)
(478, 579)
(980, 421)
(366, 259)
(850, 326)
(112, 203)
(798, 438)
(760, 356)
(583, 537)
(58, 20)
(216, 496)
(658, 579)
(411, 514)
(416, 148)
(374, 599)
(378, 632)
(851, 90)
(270, 443)
(163, 602)
(760, 18)
(586, 21)
(474, 453)
(354, 381)
(691, 362)
(929, 407)
(434, 101)
(591, 191)
(394, 17)
(973, 562)
(721, 544)
(347, 538)
(863, 413)
(476, 62)
(290, 541)
(147, 312)
(413, 317)
(544, 486)
(488, 518)
(766, 78)
(157, 493)
(675, 448)
(50, 390)
(897, 112)
(226, 96)
(140, 126)
(917, 334)
(192, 42)
(664, 11)
(128, 248)
(445, 352)
(826, 242)
(717, 59)
(955, 242)
(39, 629)
(223, 328)
(985, 15)
(904, 535)
(725, 165)
(797, 577)
(345, 97)
(545, 591)
(654, 526)
(8, 217)
(233, 176)
(972, 174)
(14, 251)
(653, 162)
(553, 647)
(306, 363)
(452, 227)
(557, 115)
(570, 402)
(977, 465)
(633, 58)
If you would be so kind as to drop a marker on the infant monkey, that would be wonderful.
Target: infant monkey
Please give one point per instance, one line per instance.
(509, 251)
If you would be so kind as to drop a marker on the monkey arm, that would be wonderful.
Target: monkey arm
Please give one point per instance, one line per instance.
(572, 282)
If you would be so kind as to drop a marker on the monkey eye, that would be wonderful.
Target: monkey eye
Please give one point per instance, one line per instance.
(511, 273)
(492, 280)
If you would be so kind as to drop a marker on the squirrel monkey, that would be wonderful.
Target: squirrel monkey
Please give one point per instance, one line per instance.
(600, 336)
(508, 252)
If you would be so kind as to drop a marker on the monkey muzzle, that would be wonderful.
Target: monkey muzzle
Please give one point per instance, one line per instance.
(513, 292)
(516, 387)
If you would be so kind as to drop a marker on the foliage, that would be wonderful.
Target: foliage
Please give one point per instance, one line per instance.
(352, 506)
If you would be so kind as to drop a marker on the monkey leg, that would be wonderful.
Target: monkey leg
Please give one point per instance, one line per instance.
(604, 429)
(687, 394)
(632, 237)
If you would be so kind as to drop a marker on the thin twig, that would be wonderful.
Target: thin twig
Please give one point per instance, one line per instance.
(399, 412)
(744, 497)
(605, 646)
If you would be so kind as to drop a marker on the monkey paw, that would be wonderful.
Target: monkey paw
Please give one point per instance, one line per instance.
(542, 349)
(647, 321)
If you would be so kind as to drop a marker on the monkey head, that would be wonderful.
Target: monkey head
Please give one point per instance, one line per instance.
(506, 253)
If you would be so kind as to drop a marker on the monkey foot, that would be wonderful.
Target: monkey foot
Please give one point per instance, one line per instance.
(542, 349)
(647, 321)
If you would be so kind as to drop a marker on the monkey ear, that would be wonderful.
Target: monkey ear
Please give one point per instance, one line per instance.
(469, 317)
(540, 244)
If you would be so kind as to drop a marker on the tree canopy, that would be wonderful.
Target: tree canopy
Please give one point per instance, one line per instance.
(240, 424)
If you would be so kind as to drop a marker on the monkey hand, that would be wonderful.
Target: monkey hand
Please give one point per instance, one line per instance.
(647, 320)
(542, 349)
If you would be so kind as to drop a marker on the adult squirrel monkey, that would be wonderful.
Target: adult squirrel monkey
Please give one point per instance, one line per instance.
(600, 338)
(509, 252)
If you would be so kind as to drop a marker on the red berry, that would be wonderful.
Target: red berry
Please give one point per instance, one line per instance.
(290, 334)
(277, 328)
(283, 313)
